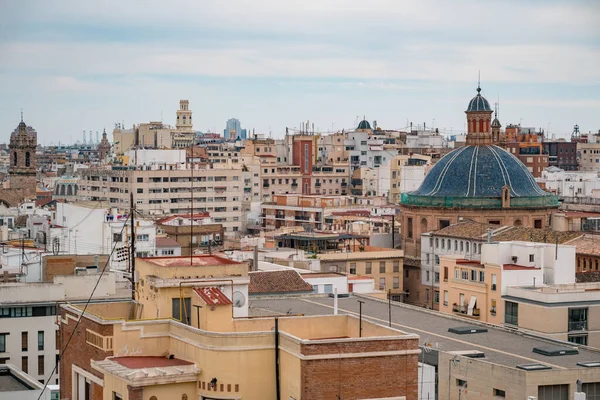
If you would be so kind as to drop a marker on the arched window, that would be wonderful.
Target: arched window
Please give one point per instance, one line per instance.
(62, 190)
(69, 190)
(15, 158)
(27, 159)
(480, 125)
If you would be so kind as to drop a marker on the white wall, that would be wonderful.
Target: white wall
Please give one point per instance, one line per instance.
(340, 283)
(426, 381)
(150, 156)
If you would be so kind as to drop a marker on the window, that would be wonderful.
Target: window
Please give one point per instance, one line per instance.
(140, 190)
(473, 275)
(40, 365)
(456, 245)
(329, 288)
(3, 342)
(142, 238)
(117, 237)
(410, 227)
(445, 274)
(436, 277)
(461, 245)
(27, 159)
(436, 296)
(426, 294)
(25, 364)
(493, 307)
(456, 273)
(511, 313)
(464, 274)
(437, 260)
(382, 267)
(181, 312)
(406, 273)
(117, 396)
(140, 180)
(461, 383)
(368, 268)
(481, 276)
(531, 258)
(24, 340)
(427, 276)
(445, 297)
(499, 393)
(467, 247)
(353, 268)
(437, 243)
(444, 223)
(578, 318)
(381, 283)
(396, 282)
(396, 266)
(493, 281)
(40, 340)
(579, 339)
(553, 392)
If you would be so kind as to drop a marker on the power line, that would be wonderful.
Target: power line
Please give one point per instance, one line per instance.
(60, 357)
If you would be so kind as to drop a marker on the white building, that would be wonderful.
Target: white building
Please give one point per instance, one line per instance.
(16, 384)
(167, 247)
(28, 330)
(570, 183)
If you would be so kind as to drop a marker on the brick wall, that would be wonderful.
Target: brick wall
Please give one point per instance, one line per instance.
(80, 353)
(359, 378)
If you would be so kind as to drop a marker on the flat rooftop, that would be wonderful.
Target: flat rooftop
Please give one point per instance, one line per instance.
(500, 346)
(149, 362)
(184, 261)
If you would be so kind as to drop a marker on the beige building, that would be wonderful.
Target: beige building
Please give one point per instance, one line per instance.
(182, 339)
(162, 189)
(383, 265)
(589, 155)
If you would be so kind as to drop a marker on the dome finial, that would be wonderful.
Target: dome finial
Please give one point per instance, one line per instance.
(479, 82)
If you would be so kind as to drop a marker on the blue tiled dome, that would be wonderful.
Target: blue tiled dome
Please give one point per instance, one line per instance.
(473, 176)
(479, 103)
(364, 124)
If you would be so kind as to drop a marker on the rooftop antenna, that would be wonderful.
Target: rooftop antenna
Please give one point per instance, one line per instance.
(479, 81)
(21, 114)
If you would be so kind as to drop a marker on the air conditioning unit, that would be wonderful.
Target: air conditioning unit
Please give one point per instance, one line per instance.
(514, 259)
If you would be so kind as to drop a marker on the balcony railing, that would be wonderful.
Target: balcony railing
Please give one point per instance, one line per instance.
(578, 326)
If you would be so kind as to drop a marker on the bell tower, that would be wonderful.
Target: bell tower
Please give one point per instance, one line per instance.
(23, 168)
(479, 116)
(184, 116)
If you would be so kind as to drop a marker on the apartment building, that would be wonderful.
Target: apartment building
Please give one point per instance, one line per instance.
(192, 231)
(28, 312)
(187, 343)
(588, 154)
(562, 154)
(407, 173)
(526, 144)
(465, 240)
(478, 289)
(384, 266)
(289, 210)
(570, 183)
(568, 312)
(162, 189)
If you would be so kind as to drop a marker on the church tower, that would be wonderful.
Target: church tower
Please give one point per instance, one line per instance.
(22, 170)
(184, 116)
(498, 138)
(104, 147)
(479, 116)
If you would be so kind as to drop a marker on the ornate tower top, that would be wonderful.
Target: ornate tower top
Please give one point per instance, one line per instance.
(479, 115)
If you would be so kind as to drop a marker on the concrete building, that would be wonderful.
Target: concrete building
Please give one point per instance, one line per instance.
(28, 331)
(385, 266)
(212, 355)
(561, 154)
(570, 184)
(491, 363)
(465, 240)
(192, 232)
(224, 191)
(16, 384)
(165, 246)
(588, 154)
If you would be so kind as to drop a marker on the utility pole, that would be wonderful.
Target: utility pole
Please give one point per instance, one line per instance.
(393, 230)
(360, 303)
(132, 253)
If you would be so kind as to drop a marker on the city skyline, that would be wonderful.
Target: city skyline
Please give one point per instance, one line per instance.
(73, 67)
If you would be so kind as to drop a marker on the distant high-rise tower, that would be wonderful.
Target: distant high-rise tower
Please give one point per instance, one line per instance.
(97, 137)
(233, 130)
(84, 139)
(184, 116)
(91, 140)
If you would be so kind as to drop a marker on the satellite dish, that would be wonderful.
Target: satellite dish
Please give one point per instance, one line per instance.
(239, 299)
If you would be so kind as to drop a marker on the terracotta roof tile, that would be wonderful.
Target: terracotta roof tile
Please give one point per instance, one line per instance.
(588, 244)
(476, 230)
(287, 281)
(212, 296)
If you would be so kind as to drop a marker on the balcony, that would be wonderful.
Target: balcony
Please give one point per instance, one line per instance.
(301, 218)
(318, 184)
(344, 184)
(294, 184)
(578, 326)
(266, 185)
(463, 310)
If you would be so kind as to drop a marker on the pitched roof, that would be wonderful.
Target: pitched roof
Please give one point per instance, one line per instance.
(286, 281)
(212, 296)
(586, 244)
(478, 231)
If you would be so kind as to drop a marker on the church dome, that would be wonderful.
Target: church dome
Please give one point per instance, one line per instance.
(474, 177)
(496, 123)
(478, 103)
(364, 124)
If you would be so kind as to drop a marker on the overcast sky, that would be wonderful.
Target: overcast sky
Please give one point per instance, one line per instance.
(75, 65)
